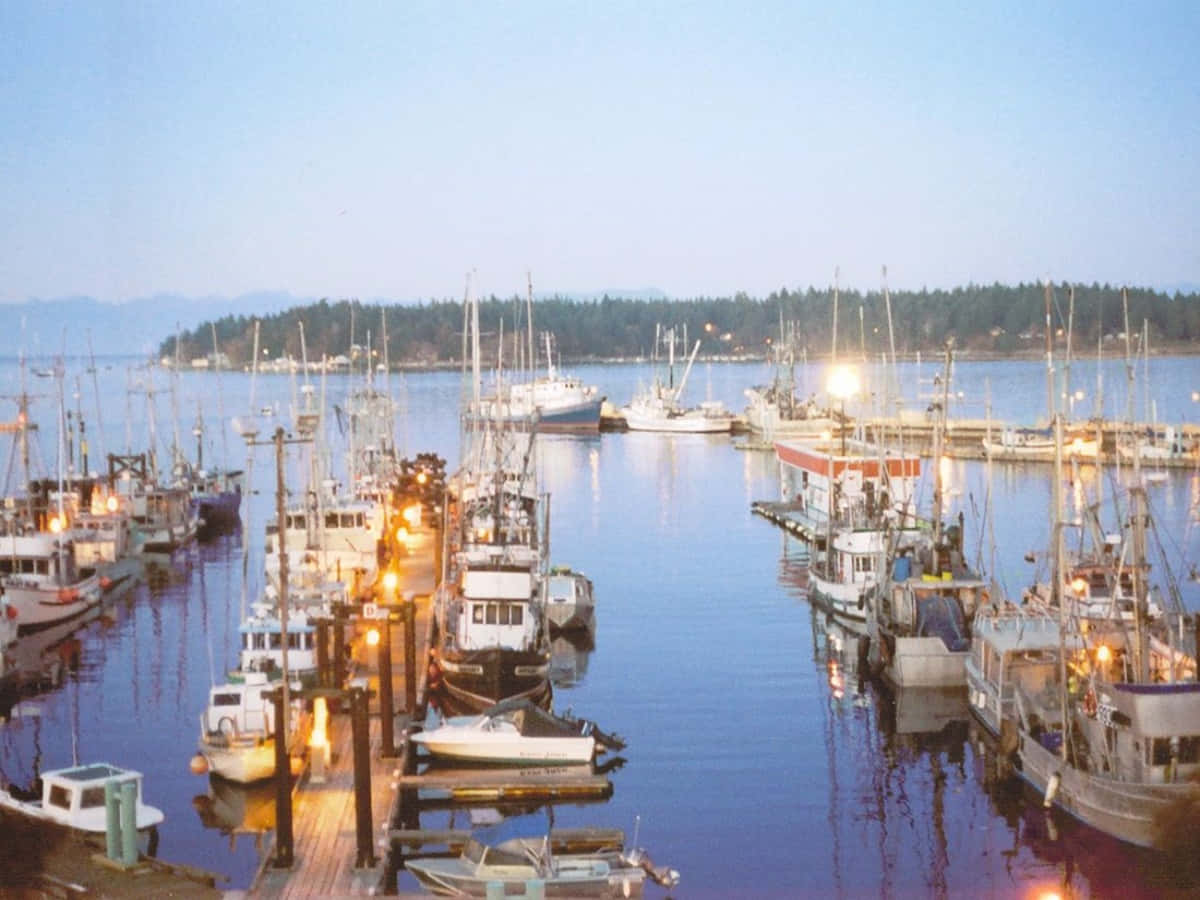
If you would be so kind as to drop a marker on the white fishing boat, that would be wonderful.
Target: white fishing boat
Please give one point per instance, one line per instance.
(517, 863)
(551, 403)
(659, 407)
(1039, 443)
(1120, 747)
(517, 732)
(237, 729)
(41, 580)
(75, 798)
(570, 604)
(263, 644)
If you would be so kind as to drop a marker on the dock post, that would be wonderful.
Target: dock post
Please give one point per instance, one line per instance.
(283, 789)
(387, 716)
(129, 851)
(112, 819)
(360, 726)
(410, 654)
(323, 678)
(339, 652)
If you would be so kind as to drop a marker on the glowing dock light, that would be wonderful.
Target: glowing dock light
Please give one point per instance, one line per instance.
(1078, 585)
(372, 637)
(112, 504)
(412, 515)
(1103, 654)
(55, 524)
(390, 579)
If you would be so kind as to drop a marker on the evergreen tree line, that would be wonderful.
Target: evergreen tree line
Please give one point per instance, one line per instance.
(998, 319)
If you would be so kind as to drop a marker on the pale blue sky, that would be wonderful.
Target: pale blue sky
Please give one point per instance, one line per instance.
(382, 150)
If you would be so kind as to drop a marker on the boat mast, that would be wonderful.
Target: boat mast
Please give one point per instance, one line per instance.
(1049, 356)
(1056, 579)
(833, 348)
(1067, 367)
(938, 430)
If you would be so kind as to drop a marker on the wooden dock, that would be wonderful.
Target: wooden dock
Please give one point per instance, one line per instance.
(326, 846)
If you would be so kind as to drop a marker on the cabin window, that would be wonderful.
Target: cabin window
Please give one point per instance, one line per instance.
(477, 613)
(91, 797)
(276, 640)
(864, 564)
(5, 566)
(227, 700)
(296, 522)
(60, 796)
(360, 520)
(331, 520)
(516, 614)
(503, 619)
(491, 614)
(1189, 750)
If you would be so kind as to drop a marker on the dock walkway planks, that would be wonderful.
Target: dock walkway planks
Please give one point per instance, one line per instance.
(325, 840)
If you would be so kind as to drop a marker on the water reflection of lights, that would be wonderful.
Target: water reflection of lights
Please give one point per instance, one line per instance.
(836, 681)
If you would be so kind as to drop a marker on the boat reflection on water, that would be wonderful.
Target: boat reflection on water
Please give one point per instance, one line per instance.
(236, 809)
(569, 655)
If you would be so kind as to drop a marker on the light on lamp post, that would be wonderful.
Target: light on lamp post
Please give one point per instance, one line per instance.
(843, 383)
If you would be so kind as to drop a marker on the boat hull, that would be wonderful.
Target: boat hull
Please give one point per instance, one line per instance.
(474, 680)
(39, 608)
(244, 760)
(218, 513)
(1127, 811)
(516, 750)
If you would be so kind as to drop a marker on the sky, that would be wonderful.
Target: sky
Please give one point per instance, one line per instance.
(385, 151)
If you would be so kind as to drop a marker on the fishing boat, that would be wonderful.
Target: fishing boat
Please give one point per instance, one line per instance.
(553, 403)
(517, 863)
(492, 642)
(659, 407)
(1014, 650)
(1038, 443)
(1120, 749)
(570, 605)
(919, 617)
(517, 732)
(75, 798)
(41, 581)
(164, 515)
(774, 410)
(262, 647)
(237, 729)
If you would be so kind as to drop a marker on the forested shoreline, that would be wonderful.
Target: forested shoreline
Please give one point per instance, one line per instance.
(991, 321)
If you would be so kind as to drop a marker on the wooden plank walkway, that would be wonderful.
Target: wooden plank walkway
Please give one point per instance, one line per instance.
(324, 817)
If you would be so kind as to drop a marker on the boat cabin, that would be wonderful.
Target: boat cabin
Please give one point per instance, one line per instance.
(497, 608)
(241, 708)
(262, 643)
(1146, 732)
(75, 797)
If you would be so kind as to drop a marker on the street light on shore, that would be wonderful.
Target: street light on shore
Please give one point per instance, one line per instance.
(843, 383)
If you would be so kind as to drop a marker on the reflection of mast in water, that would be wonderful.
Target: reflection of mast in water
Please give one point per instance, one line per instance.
(820, 639)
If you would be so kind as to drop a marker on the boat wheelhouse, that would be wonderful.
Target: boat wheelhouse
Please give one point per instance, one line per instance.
(76, 798)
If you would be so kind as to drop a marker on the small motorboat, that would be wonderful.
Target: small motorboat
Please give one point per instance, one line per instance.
(519, 862)
(570, 606)
(75, 798)
(517, 732)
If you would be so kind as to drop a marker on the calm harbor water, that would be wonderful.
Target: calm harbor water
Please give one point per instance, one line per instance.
(757, 763)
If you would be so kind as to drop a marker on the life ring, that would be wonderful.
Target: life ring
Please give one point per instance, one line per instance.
(227, 726)
(1089, 703)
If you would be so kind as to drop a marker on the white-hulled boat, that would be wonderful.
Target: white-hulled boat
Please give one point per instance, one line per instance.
(75, 798)
(41, 580)
(237, 729)
(658, 407)
(517, 732)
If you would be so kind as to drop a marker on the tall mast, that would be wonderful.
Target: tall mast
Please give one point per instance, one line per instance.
(1049, 356)
(1067, 367)
(833, 348)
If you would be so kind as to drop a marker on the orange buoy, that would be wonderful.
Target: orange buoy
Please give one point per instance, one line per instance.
(198, 765)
